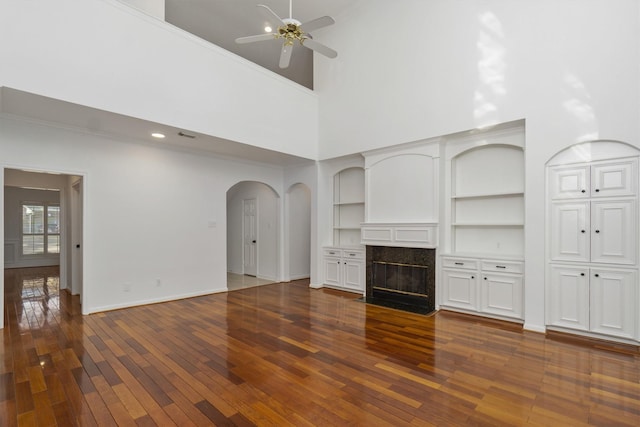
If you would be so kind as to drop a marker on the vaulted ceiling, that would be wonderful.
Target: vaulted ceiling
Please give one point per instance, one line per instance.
(222, 21)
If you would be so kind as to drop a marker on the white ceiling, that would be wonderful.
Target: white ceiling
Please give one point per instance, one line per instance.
(222, 21)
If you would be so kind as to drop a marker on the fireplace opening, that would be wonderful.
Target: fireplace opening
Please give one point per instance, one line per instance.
(402, 278)
(406, 279)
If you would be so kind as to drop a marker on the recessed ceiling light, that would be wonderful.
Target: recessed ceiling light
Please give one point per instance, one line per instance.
(157, 135)
(267, 29)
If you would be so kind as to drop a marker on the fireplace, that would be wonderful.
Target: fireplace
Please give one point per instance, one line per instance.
(402, 278)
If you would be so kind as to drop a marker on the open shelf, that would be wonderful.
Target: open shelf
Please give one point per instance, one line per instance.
(485, 196)
(348, 206)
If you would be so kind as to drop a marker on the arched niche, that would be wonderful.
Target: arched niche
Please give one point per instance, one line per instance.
(298, 232)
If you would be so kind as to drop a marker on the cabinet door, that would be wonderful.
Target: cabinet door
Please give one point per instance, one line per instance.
(460, 289)
(613, 232)
(613, 298)
(569, 297)
(354, 275)
(569, 182)
(613, 178)
(332, 269)
(569, 231)
(501, 294)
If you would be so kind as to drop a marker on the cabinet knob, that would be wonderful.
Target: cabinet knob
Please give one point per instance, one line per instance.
(582, 231)
(582, 274)
(597, 231)
(485, 278)
(473, 277)
(584, 191)
(597, 275)
(597, 190)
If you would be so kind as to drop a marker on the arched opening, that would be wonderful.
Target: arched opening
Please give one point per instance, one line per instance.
(253, 215)
(298, 232)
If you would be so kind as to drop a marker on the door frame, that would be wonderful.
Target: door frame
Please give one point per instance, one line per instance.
(244, 246)
(64, 253)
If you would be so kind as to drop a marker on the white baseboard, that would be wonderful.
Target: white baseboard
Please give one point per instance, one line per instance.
(534, 328)
(152, 301)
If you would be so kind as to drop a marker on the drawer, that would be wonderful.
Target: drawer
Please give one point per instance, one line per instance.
(463, 263)
(502, 266)
(347, 254)
(332, 252)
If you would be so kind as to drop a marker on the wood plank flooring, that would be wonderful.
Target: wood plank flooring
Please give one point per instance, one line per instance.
(287, 355)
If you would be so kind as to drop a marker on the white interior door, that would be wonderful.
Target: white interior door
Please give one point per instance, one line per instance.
(76, 239)
(250, 237)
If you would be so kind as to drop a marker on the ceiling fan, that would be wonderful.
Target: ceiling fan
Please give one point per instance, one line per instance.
(291, 31)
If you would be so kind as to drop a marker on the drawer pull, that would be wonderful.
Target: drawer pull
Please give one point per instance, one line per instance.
(459, 263)
(500, 266)
(352, 254)
(332, 253)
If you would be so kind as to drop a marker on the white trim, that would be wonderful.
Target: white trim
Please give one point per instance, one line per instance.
(154, 301)
(411, 235)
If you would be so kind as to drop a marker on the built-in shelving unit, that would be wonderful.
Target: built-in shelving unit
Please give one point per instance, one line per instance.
(487, 201)
(348, 207)
(344, 261)
(482, 263)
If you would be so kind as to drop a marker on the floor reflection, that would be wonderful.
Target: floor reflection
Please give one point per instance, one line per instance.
(34, 294)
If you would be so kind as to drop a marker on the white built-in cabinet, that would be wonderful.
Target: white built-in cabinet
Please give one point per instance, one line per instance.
(592, 275)
(482, 265)
(344, 268)
(344, 261)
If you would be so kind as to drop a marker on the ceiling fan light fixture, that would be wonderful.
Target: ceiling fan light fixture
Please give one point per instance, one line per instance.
(291, 31)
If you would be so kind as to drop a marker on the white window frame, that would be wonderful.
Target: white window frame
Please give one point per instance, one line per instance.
(45, 232)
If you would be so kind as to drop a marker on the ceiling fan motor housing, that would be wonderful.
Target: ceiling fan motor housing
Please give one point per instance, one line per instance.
(291, 31)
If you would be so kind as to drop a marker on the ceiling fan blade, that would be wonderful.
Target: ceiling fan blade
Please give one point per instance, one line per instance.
(320, 48)
(314, 24)
(258, 38)
(285, 55)
(269, 14)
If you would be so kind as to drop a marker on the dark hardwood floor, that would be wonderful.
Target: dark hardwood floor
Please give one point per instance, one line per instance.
(284, 354)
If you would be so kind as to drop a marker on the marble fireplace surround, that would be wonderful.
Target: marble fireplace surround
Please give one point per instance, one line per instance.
(402, 263)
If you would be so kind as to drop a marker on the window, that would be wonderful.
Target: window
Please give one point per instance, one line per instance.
(40, 229)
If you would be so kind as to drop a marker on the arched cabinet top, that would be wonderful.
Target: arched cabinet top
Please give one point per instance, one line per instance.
(585, 152)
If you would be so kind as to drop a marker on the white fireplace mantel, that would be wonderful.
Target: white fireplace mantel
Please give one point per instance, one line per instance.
(408, 235)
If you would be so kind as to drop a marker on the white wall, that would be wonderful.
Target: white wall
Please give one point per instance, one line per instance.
(569, 68)
(148, 211)
(13, 199)
(152, 7)
(268, 208)
(459, 65)
(107, 55)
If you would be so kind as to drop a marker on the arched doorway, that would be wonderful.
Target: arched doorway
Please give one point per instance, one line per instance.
(253, 215)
